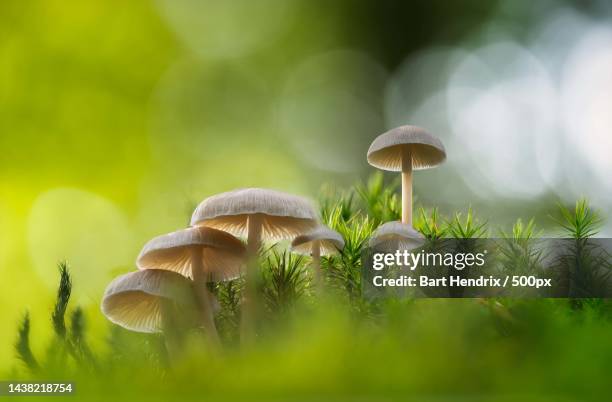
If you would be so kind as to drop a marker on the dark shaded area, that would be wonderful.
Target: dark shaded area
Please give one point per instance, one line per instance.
(390, 30)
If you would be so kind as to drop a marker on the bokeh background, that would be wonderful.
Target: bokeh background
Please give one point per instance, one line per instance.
(117, 117)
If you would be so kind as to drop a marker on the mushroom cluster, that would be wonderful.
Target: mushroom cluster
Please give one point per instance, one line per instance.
(403, 149)
(175, 269)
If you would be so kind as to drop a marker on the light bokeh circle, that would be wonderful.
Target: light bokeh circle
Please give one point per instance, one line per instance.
(83, 228)
(331, 108)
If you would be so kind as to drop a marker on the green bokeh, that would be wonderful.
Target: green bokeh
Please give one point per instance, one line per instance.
(117, 117)
(112, 129)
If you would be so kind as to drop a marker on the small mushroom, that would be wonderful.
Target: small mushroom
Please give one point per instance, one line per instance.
(392, 236)
(201, 253)
(320, 242)
(150, 301)
(259, 214)
(405, 149)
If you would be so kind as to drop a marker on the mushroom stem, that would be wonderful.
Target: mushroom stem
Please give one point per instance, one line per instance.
(406, 185)
(316, 262)
(171, 336)
(203, 296)
(249, 302)
(254, 235)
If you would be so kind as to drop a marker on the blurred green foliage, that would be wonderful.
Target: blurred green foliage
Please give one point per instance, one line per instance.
(335, 344)
(113, 120)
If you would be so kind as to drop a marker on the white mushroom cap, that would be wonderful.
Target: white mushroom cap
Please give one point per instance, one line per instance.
(134, 300)
(283, 216)
(222, 253)
(330, 241)
(386, 150)
(395, 235)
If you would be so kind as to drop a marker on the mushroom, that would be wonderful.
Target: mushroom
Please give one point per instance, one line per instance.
(258, 214)
(320, 242)
(202, 254)
(150, 301)
(406, 148)
(395, 235)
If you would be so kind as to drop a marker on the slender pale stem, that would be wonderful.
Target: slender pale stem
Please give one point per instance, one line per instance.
(254, 235)
(316, 262)
(203, 296)
(406, 185)
(169, 329)
(249, 303)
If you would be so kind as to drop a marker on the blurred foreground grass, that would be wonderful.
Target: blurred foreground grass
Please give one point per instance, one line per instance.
(338, 345)
(424, 349)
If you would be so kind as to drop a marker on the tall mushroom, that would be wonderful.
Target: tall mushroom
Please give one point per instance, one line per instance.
(150, 301)
(404, 149)
(259, 214)
(201, 253)
(321, 241)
